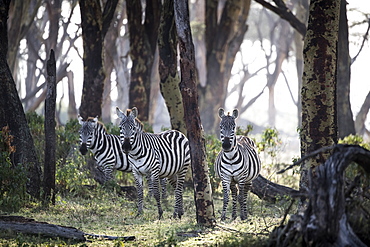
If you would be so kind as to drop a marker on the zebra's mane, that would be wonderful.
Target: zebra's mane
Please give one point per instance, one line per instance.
(102, 126)
(128, 111)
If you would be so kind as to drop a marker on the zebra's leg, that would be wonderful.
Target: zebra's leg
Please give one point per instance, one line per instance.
(157, 196)
(173, 182)
(234, 193)
(243, 192)
(226, 188)
(108, 174)
(150, 184)
(179, 204)
(140, 193)
(164, 188)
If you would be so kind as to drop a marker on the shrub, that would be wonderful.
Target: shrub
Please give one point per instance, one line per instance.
(13, 177)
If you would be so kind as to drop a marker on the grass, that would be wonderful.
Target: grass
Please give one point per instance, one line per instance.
(104, 212)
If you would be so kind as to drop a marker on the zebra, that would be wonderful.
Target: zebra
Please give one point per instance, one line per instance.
(107, 150)
(162, 155)
(237, 163)
(105, 147)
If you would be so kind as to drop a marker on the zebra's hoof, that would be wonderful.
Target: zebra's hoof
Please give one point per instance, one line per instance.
(244, 217)
(233, 217)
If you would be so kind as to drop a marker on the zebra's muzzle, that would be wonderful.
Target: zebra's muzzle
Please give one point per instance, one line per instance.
(126, 145)
(226, 144)
(83, 149)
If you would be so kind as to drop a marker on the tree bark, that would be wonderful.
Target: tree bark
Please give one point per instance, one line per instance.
(49, 126)
(324, 222)
(12, 114)
(169, 85)
(319, 107)
(143, 41)
(346, 124)
(271, 192)
(202, 186)
(93, 85)
(30, 226)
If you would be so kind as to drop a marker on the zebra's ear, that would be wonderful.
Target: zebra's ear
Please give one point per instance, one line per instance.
(120, 114)
(96, 119)
(221, 112)
(134, 112)
(235, 113)
(80, 119)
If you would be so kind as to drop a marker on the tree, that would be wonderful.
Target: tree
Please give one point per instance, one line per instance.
(143, 43)
(95, 24)
(12, 114)
(169, 85)
(319, 107)
(202, 187)
(223, 38)
(50, 135)
(346, 124)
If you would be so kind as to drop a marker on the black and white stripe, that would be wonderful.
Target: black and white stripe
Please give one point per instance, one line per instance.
(237, 164)
(107, 150)
(163, 155)
(105, 147)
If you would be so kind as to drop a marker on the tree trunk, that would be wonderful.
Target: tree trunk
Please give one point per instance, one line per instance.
(72, 109)
(12, 114)
(93, 85)
(346, 124)
(169, 85)
(50, 136)
(223, 40)
(319, 113)
(302, 16)
(362, 115)
(143, 41)
(271, 192)
(202, 186)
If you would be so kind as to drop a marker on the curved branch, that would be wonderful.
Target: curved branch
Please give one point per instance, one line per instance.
(285, 13)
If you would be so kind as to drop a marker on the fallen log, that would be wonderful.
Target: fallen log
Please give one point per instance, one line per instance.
(325, 222)
(32, 227)
(270, 191)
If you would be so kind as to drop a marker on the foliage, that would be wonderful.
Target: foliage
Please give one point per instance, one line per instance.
(244, 131)
(213, 147)
(355, 140)
(13, 177)
(270, 142)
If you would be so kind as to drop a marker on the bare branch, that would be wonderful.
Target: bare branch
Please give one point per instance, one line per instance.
(285, 13)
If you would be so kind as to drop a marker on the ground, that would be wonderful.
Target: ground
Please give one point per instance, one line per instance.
(104, 212)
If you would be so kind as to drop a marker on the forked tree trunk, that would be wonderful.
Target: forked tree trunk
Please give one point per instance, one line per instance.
(325, 222)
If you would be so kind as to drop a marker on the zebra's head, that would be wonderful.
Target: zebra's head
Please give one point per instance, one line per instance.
(129, 126)
(227, 129)
(86, 132)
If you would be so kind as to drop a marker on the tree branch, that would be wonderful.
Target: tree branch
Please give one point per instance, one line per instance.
(285, 13)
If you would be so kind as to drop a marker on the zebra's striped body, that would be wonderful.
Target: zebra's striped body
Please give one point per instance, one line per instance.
(106, 148)
(237, 163)
(163, 155)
